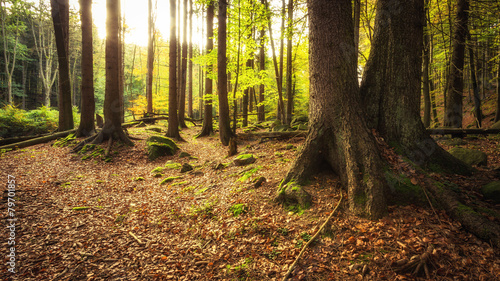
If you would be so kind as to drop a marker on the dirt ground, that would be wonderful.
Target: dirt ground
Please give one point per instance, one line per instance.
(95, 220)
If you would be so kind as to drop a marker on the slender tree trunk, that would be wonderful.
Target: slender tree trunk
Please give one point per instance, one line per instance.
(497, 115)
(190, 61)
(150, 62)
(87, 124)
(182, 101)
(60, 17)
(425, 72)
(9, 71)
(454, 99)
(338, 134)
(225, 132)
(235, 101)
(475, 86)
(173, 123)
(261, 117)
(207, 128)
(357, 16)
(289, 67)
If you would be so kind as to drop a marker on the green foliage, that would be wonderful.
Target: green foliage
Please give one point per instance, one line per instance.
(238, 209)
(248, 174)
(17, 122)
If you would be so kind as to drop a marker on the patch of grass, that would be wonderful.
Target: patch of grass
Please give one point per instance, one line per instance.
(305, 236)
(238, 209)
(205, 210)
(200, 191)
(295, 209)
(283, 231)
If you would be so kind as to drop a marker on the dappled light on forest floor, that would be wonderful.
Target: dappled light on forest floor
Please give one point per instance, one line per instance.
(96, 220)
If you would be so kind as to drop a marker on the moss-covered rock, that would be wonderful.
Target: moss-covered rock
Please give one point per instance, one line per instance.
(244, 159)
(184, 154)
(282, 128)
(470, 156)
(158, 146)
(292, 194)
(186, 167)
(491, 191)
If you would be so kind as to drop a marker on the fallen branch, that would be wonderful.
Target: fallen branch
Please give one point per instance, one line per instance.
(20, 139)
(459, 131)
(311, 240)
(39, 140)
(273, 135)
(136, 239)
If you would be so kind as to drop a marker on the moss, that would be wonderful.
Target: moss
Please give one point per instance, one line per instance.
(403, 192)
(158, 146)
(169, 179)
(238, 209)
(464, 209)
(157, 170)
(244, 156)
(139, 179)
(360, 199)
(172, 165)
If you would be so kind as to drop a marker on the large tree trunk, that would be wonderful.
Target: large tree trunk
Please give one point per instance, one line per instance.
(60, 17)
(454, 98)
(225, 132)
(338, 133)
(208, 128)
(173, 123)
(150, 62)
(183, 72)
(393, 108)
(87, 124)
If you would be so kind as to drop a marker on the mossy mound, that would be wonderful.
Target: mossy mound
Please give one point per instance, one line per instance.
(292, 194)
(282, 128)
(470, 156)
(158, 146)
(495, 125)
(491, 191)
(186, 167)
(244, 159)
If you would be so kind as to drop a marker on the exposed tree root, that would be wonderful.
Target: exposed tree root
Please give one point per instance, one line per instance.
(312, 239)
(417, 264)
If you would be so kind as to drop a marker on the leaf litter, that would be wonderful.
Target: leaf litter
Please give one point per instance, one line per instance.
(91, 220)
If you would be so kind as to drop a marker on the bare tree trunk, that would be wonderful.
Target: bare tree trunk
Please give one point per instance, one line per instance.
(60, 17)
(454, 99)
(183, 72)
(357, 17)
(235, 101)
(425, 72)
(190, 61)
(497, 115)
(7, 55)
(207, 128)
(289, 67)
(261, 117)
(173, 123)
(87, 124)
(150, 62)
(225, 132)
(475, 87)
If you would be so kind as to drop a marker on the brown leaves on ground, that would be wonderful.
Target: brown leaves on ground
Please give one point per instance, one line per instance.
(136, 229)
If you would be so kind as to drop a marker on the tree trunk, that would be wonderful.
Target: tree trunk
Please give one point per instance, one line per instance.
(281, 63)
(289, 67)
(9, 71)
(182, 101)
(235, 101)
(425, 72)
(261, 117)
(454, 99)
(173, 123)
(357, 18)
(150, 62)
(393, 109)
(475, 87)
(338, 134)
(207, 128)
(60, 17)
(225, 132)
(497, 115)
(87, 123)
(190, 61)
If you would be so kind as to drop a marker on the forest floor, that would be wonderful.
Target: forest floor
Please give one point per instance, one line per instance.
(95, 220)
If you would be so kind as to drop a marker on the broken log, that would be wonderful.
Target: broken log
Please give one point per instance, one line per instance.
(39, 140)
(20, 139)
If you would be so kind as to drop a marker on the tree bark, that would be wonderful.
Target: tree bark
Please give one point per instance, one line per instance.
(497, 115)
(150, 62)
(190, 61)
(87, 122)
(425, 71)
(183, 72)
(393, 108)
(207, 128)
(454, 99)
(225, 132)
(475, 87)
(173, 123)
(261, 117)
(289, 67)
(338, 134)
(60, 18)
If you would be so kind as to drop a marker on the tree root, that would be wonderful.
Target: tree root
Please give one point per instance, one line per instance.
(417, 264)
(311, 240)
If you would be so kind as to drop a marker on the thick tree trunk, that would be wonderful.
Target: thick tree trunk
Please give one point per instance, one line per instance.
(338, 133)
(225, 132)
(150, 62)
(87, 122)
(183, 72)
(454, 98)
(393, 108)
(173, 123)
(207, 128)
(60, 18)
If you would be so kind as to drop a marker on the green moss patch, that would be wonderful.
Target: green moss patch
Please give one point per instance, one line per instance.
(169, 179)
(158, 146)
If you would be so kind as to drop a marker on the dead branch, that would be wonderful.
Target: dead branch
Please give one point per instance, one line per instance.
(311, 240)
